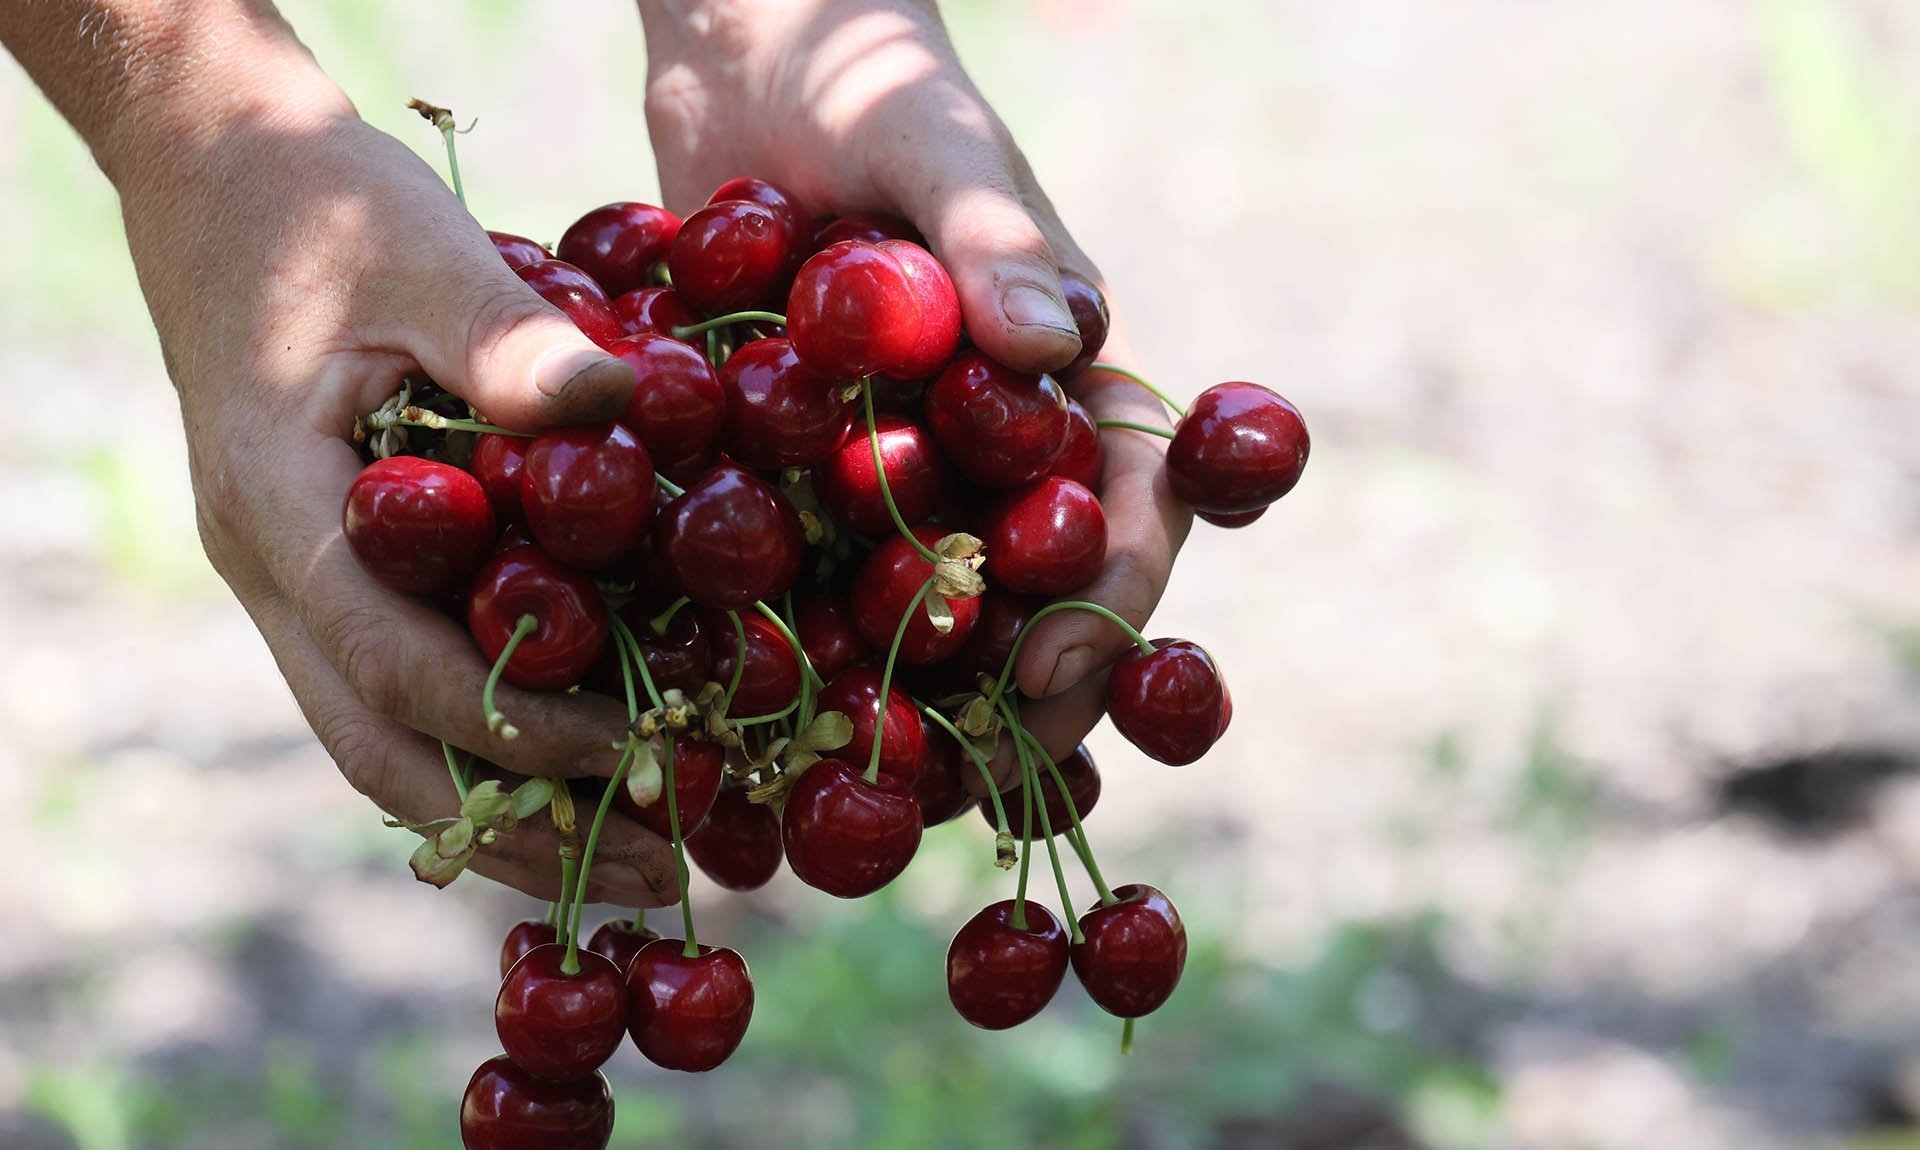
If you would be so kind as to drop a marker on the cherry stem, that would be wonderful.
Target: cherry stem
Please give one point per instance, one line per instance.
(1006, 672)
(886, 680)
(774, 717)
(713, 349)
(639, 920)
(1150, 429)
(442, 118)
(1123, 373)
(719, 321)
(692, 949)
(740, 663)
(625, 654)
(810, 682)
(1019, 919)
(496, 719)
(553, 916)
(568, 867)
(664, 619)
(673, 489)
(979, 760)
(1076, 833)
(1126, 1037)
(1030, 782)
(793, 640)
(619, 779)
(880, 474)
(460, 786)
(623, 635)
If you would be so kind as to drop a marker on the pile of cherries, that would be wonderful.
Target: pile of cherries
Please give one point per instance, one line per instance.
(805, 557)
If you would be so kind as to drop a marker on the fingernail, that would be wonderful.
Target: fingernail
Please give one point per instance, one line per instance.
(1026, 305)
(1073, 665)
(555, 369)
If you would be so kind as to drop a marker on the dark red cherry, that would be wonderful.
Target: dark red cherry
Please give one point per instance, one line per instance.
(679, 657)
(845, 835)
(577, 295)
(1079, 458)
(525, 935)
(698, 769)
(1238, 448)
(1170, 704)
(1000, 975)
(1083, 787)
(688, 1013)
(1132, 952)
(1047, 539)
(883, 591)
(518, 251)
(587, 492)
(941, 788)
(618, 939)
(558, 1025)
(677, 408)
(571, 618)
(855, 693)
(939, 310)
(507, 1108)
(496, 463)
(729, 539)
(782, 203)
(826, 630)
(729, 256)
(1232, 519)
(853, 311)
(739, 847)
(1002, 617)
(1002, 427)
(618, 244)
(779, 414)
(772, 676)
(416, 525)
(849, 486)
(867, 228)
(653, 311)
(1089, 309)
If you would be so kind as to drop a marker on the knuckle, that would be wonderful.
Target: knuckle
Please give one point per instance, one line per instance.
(494, 308)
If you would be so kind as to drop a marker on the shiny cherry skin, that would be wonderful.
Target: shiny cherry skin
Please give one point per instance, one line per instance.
(782, 203)
(739, 847)
(618, 244)
(679, 657)
(618, 940)
(1079, 458)
(999, 975)
(730, 256)
(1083, 787)
(587, 492)
(883, 592)
(577, 295)
(827, 633)
(778, 413)
(939, 310)
(867, 228)
(1232, 520)
(653, 311)
(1003, 428)
(688, 1013)
(1047, 539)
(518, 251)
(941, 788)
(849, 486)
(497, 461)
(1132, 952)
(845, 835)
(507, 1108)
(1088, 307)
(771, 679)
(1238, 448)
(571, 617)
(558, 1025)
(1003, 616)
(698, 769)
(523, 937)
(677, 407)
(1170, 704)
(855, 693)
(853, 311)
(729, 539)
(416, 525)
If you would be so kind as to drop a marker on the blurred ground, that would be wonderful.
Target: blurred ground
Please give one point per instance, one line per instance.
(1572, 800)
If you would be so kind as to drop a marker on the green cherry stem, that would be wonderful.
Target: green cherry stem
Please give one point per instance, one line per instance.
(553, 917)
(453, 767)
(1076, 833)
(1150, 429)
(496, 719)
(1126, 1037)
(979, 760)
(886, 680)
(625, 636)
(739, 663)
(692, 949)
(793, 640)
(774, 717)
(1019, 919)
(1030, 782)
(1123, 373)
(659, 623)
(880, 473)
(619, 779)
(442, 118)
(640, 920)
(569, 867)
(720, 321)
(1013, 656)
(671, 488)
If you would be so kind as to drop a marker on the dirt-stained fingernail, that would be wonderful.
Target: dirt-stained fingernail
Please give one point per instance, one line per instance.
(1028, 306)
(1074, 664)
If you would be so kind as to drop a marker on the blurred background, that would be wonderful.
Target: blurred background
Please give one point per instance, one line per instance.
(1572, 802)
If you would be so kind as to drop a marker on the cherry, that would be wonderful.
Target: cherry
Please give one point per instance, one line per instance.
(618, 244)
(783, 204)
(1002, 617)
(1079, 458)
(867, 228)
(1089, 309)
(1132, 951)
(572, 621)
(508, 1108)
(679, 657)
(416, 525)
(518, 251)
(688, 1012)
(1047, 539)
(730, 539)
(523, 937)
(496, 463)
(939, 310)
(855, 693)
(1000, 975)
(849, 486)
(698, 769)
(883, 591)
(778, 413)
(1238, 448)
(577, 296)
(587, 492)
(677, 407)
(826, 630)
(853, 311)
(558, 1025)
(1170, 704)
(618, 940)
(772, 676)
(729, 256)
(739, 847)
(845, 835)
(1002, 427)
(1083, 787)
(515, 535)
(941, 788)
(1232, 519)
(653, 311)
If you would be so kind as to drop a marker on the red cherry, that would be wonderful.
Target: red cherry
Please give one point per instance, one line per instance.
(1132, 952)
(1002, 617)
(779, 414)
(739, 847)
(416, 525)
(618, 940)
(558, 1025)
(1238, 448)
(1089, 309)
(523, 937)
(884, 590)
(571, 618)
(1047, 539)
(730, 539)
(496, 463)
(853, 311)
(507, 1108)
(729, 257)
(518, 251)
(577, 296)
(1083, 787)
(1233, 519)
(855, 693)
(867, 228)
(618, 244)
(679, 657)
(845, 835)
(1079, 458)
(826, 630)
(999, 975)
(688, 1013)
(698, 769)
(939, 310)
(772, 676)
(587, 492)
(778, 200)
(653, 311)
(941, 788)
(1002, 427)
(677, 408)
(849, 486)
(1170, 704)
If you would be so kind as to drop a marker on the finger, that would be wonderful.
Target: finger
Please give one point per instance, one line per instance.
(1060, 724)
(631, 864)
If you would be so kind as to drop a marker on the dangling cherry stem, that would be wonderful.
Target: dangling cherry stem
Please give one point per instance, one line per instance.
(496, 719)
(1006, 672)
(1030, 782)
(625, 637)
(1019, 919)
(1123, 373)
(1150, 429)
(442, 118)
(569, 867)
(1076, 834)
(886, 680)
(460, 785)
(640, 920)
(660, 622)
(1126, 1037)
(720, 321)
(979, 760)
(880, 475)
(572, 963)
(692, 949)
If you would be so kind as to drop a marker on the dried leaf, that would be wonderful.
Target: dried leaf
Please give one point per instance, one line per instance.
(939, 613)
(455, 840)
(829, 731)
(430, 868)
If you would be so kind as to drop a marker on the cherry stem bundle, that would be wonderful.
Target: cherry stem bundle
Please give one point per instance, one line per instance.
(1013, 656)
(880, 476)
(623, 635)
(1076, 833)
(1030, 782)
(886, 680)
(692, 949)
(720, 321)
(979, 760)
(496, 719)
(1123, 373)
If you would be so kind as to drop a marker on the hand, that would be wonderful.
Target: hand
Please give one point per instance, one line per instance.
(862, 105)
